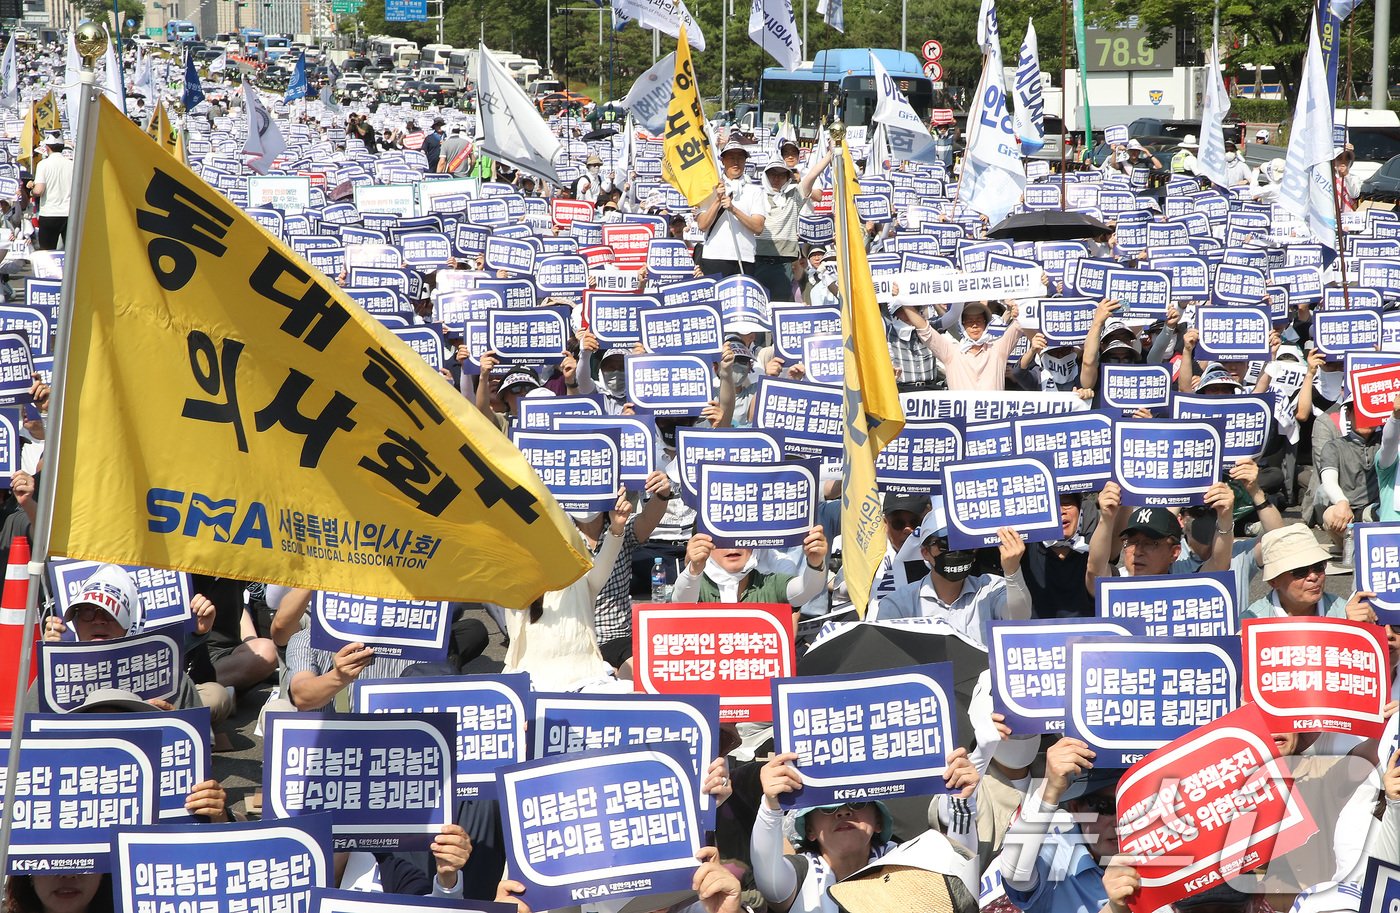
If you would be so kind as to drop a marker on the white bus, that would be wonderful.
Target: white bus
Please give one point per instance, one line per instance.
(435, 55)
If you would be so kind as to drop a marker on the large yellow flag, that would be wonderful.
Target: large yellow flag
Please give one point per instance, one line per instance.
(229, 411)
(874, 416)
(165, 133)
(687, 163)
(41, 116)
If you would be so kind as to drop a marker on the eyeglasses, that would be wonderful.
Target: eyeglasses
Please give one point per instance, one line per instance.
(1100, 805)
(88, 612)
(853, 806)
(1300, 573)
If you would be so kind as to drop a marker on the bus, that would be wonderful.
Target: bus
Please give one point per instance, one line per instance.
(838, 78)
(271, 47)
(250, 38)
(435, 55)
(180, 31)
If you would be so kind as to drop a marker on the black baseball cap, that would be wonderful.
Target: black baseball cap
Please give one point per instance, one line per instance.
(1157, 522)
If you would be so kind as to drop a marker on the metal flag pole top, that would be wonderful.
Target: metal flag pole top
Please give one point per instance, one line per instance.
(91, 42)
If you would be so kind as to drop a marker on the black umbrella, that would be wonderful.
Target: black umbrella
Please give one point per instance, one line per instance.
(1047, 225)
(602, 133)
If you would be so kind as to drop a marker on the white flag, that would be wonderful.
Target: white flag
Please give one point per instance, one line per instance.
(834, 12)
(9, 73)
(219, 64)
(773, 28)
(1306, 189)
(112, 77)
(650, 96)
(72, 74)
(908, 138)
(264, 141)
(1030, 104)
(662, 15)
(511, 127)
(993, 177)
(1211, 159)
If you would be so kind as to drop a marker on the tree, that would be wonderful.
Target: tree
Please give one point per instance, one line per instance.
(100, 11)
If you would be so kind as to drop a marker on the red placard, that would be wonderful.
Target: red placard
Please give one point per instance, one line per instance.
(1375, 390)
(597, 255)
(733, 650)
(629, 241)
(1317, 674)
(821, 203)
(1211, 805)
(566, 212)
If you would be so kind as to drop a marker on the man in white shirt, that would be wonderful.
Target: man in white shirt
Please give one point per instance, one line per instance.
(732, 217)
(52, 181)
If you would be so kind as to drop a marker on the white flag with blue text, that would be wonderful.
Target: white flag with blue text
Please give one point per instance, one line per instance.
(1210, 162)
(1030, 103)
(993, 177)
(9, 73)
(650, 96)
(834, 12)
(1306, 189)
(773, 28)
(908, 138)
(665, 16)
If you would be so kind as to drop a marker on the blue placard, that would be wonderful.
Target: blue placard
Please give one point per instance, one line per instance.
(911, 463)
(539, 413)
(1378, 567)
(380, 277)
(816, 229)
(44, 296)
(1129, 696)
(794, 323)
(566, 724)
(16, 368)
(564, 245)
(396, 628)
(329, 260)
(471, 239)
(983, 440)
(746, 506)
(561, 273)
(1236, 284)
(76, 789)
(1172, 605)
(1042, 196)
(1233, 333)
(184, 746)
(669, 257)
(1028, 661)
(867, 735)
(1339, 332)
(1166, 234)
(1383, 275)
(1189, 276)
(150, 665)
(326, 900)
(636, 437)
(1337, 299)
(492, 211)
(694, 446)
(1304, 283)
(1244, 420)
(1165, 463)
(580, 468)
(509, 254)
(533, 336)
(809, 416)
(1078, 447)
(426, 249)
(615, 318)
(1090, 277)
(492, 713)
(1066, 323)
(265, 865)
(667, 385)
(1133, 387)
(973, 255)
(1381, 891)
(614, 795)
(515, 293)
(1058, 257)
(377, 301)
(744, 304)
(984, 495)
(385, 778)
(691, 291)
(873, 207)
(10, 445)
(163, 596)
(824, 359)
(32, 325)
(695, 329)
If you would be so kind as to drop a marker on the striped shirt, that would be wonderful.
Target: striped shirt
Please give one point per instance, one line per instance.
(302, 657)
(913, 362)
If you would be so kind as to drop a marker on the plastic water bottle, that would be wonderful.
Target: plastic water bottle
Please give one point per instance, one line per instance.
(658, 581)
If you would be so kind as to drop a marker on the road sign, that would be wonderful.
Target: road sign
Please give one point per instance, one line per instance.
(933, 50)
(933, 70)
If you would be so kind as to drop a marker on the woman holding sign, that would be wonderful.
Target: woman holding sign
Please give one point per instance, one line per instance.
(977, 361)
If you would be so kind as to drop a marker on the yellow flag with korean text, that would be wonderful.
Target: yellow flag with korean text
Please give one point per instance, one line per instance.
(230, 411)
(687, 162)
(160, 128)
(873, 414)
(42, 116)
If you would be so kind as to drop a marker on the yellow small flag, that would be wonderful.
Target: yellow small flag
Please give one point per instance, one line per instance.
(874, 415)
(160, 128)
(229, 411)
(41, 116)
(686, 161)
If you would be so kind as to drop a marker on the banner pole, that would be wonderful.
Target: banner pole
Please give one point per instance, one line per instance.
(91, 41)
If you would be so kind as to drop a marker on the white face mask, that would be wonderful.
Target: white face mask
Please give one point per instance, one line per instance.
(1230, 157)
(728, 581)
(615, 382)
(1329, 384)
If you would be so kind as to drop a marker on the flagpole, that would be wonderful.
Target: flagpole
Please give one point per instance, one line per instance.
(1336, 191)
(91, 42)
(839, 163)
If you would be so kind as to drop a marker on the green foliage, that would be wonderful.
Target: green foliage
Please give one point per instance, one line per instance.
(101, 11)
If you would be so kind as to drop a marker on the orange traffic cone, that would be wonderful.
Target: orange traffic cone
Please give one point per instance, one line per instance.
(12, 604)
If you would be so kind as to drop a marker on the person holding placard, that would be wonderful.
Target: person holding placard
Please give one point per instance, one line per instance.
(977, 362)
(1150, 537)
(964, 602)
(1205, 533)
(732, 575)
(1348, 483)
(1295, 568)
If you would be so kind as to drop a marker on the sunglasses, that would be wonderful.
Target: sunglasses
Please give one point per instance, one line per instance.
(1100, 805)
(1299, 573)
(853, 806)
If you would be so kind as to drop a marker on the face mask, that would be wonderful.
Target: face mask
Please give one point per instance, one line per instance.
(953, 565)
(593, 170)
(668, 434)
(740, 374)
(615, 382)
(1329, 384)
(1230, 157)
(728, 581)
